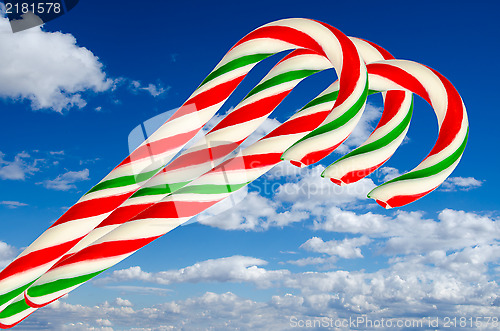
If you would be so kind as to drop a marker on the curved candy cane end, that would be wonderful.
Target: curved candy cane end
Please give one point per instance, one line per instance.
(297, 163)
(336, 181)
(373, 196)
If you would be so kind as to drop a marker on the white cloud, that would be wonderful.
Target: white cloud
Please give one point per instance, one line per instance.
(310, 192)
(312, 261)
(47, 68)
(348, 248)
(460, 184)
(408, 233)
(13, 204)
(7, 254)
(389, 173)
(229, 269)
(253, 213)
(18, 169)
(154, 90)
(66, 181)
(123, 302)
(362, 130)
(305, 194)
(403, 290)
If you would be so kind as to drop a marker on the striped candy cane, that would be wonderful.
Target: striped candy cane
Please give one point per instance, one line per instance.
(176, 208)
(186, 202)
(209, 151)
(158, 149)
(453, 129)
(386, 137)
(219, 142)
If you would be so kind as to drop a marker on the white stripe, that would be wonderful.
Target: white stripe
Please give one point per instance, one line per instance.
(65, 232)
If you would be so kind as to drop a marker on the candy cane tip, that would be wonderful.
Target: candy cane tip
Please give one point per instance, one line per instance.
(297, 163)
(336, 181)
(380, 202)
(34, 304)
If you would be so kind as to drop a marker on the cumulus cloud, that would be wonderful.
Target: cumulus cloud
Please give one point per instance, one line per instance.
(229, 269)
(405, 289)
(411, 232)
(141, 290)
(312, 261)
(123, 302)
(363, 130)
(460, 184)
(311, 192)
(270, 203)
(47, 68)
(389, 173)
(348, 248)
(19, 168)
(154, 90)
(13, 204)
(253, 212)
(7, 254)
(66, 181)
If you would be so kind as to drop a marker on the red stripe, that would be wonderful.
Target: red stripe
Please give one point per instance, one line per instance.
(35, 305)
(392, 105)
(159, 147)
(201, 101)
(354, 176)
(208, 98)
(37, 258)
(385, 54)
(401, 200)
(252, 111)
(92, 208)
(201, 156)
(299, 125)
(123, 214)
(5, 326)
(351, 64)
(249, 162)
(400, 77)
(316, 156)
(299, 52)
(453, 119)
(173, 209)
(287, 34)
(108, 249)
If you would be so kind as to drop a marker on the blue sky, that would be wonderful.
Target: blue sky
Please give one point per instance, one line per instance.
(334, 253)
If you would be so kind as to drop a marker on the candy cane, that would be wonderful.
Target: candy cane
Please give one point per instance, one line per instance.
(209, 151)
(183, 204)
(453, 129)
(174, 209)
(23, 310)
(158, 149)
(387, 136)
(219, 142)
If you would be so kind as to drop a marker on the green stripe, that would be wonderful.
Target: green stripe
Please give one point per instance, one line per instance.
(14, 308)
(14, 293)
(385, 140)
(235, 64)
(280, 79)
(340, 121)
(58, 285)
(332, 96)
(159, 189)
(211, 188)
(432, 170)
(124, 181)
